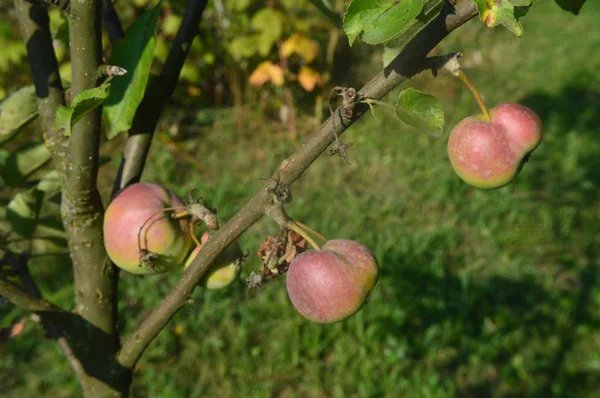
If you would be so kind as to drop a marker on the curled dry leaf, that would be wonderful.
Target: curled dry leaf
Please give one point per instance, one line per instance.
(276, 253)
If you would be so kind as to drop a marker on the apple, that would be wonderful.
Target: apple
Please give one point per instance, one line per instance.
(224, 269)
(166, 239)
(490, 153)
(331, 284)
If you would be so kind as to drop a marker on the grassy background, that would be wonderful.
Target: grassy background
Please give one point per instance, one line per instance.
(482, 293)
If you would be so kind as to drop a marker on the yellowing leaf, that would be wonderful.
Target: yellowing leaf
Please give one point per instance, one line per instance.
(301, 45)
(503, 12)
(267, 71)
(309, 78)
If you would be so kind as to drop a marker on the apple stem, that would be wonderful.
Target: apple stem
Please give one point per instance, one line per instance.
(307, 228)
(193, 234)
(468, 83)
(293, 227)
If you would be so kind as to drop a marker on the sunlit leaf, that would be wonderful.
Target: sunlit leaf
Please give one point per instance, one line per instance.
(431, 9)
(377, 21)
(134, 54)
(421, 111)
(269, 25)
(502, 12)
(85, 101)
(242, 47)
(170, 24)
(16, 111)
(33, 215)
(22, 162)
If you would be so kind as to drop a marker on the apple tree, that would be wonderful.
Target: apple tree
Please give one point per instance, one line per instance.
(146, 229)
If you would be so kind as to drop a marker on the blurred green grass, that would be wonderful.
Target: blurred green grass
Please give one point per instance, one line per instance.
(482, 293)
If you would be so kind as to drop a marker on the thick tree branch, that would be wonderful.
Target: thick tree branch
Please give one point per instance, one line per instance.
(35, 30)
(81, 205)
(82, 213)
(149, 111)
(410, 61)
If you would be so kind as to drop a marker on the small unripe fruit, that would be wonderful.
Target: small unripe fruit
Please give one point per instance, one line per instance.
(489, 153)
(224, 269)
(167, 239)
(331, 284)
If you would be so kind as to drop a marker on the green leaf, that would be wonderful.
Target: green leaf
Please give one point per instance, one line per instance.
(431, 9)
(377, 21)
(33, 215)
(269, 23)
(134, 54)
(421, 111)
(238, 5)
(85, 101)
(22, 162)
(242, 47)
(16, 111)
(502, 12)
(22, 212)
(573, 6)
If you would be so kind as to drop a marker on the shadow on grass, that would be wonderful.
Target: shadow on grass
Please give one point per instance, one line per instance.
(494, 324)
(518, 336)
(574, 111)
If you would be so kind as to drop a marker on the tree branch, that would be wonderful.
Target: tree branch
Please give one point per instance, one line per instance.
(50, 319)
(24, 299)
(148, 113)
(35, 30)
(111, 21)
(82, 213)
(81, 205)
(330, 14)
(410, 61)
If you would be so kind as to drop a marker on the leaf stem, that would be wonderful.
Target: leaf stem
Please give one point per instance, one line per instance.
(370, 101)
(292, 226)
(306, 227)
(465, 79)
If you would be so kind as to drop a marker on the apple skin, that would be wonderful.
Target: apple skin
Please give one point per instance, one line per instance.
(522, 124)
(331, 284)
(225, 268)
(166, 237)
(489, 154)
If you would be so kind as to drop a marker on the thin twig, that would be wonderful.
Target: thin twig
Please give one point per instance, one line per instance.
(35, 29)
(111, 21)
(148, 113)
(22, 298)
(19, 264)
(409, 62)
